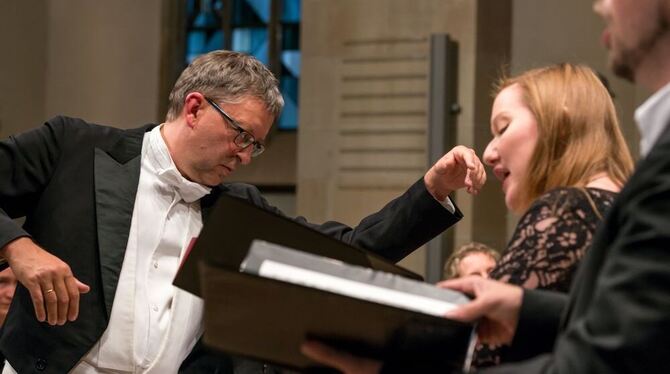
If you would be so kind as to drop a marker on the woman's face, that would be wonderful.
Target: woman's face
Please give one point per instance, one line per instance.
(514, 130)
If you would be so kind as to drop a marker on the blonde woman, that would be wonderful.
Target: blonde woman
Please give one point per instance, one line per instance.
(560, 155)
(561, 158)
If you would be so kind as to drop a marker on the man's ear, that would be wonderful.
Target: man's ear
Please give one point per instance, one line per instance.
(194, 104)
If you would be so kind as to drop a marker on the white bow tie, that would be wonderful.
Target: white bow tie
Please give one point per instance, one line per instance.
(189, 191)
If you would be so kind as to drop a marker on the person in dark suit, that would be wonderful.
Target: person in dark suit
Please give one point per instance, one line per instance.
(616, 318)
(109, 213)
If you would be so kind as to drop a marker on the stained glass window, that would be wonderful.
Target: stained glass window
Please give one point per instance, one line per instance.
(267, 29)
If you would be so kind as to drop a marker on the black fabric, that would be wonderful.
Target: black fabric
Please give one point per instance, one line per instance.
(76, 183)
(548, 244)
(552, 237)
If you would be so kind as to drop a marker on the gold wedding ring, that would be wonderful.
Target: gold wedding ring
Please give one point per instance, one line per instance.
(49, 290)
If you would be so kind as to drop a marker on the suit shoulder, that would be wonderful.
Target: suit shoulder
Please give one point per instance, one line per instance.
(81, 132)
(242, 190)
(78, 125)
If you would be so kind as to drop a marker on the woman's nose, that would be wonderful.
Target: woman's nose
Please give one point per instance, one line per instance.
(491, 153)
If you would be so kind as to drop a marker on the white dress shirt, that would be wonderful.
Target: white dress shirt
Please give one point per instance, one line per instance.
(148, 311)
(652, 117)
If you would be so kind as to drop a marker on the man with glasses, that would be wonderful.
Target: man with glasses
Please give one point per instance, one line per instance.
(109, 212)
(243, 138)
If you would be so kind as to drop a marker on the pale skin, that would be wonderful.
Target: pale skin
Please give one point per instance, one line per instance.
(476, 263)
(7, 287)
(514, 136)
(54, 289)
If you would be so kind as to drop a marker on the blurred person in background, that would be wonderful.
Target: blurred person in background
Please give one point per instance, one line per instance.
(471, 259)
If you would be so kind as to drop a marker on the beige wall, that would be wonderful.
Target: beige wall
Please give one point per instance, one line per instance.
(92, 59)
(551, 31)
(357, 154)
(23, 30)
(103, 60)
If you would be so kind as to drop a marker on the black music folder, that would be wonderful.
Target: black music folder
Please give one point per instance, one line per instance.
(269, 283)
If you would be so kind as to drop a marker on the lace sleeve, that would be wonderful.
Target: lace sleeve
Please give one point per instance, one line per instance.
(549, 241)
(547, 245)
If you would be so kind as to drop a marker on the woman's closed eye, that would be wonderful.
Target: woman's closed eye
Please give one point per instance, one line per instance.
(501, 129)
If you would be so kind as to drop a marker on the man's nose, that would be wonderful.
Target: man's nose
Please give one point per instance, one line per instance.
(244, 154)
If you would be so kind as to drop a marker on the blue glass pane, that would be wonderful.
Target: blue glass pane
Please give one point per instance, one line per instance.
(207, 19)
(203, 28)
(218, 6)
(195, 44)
(291, 61)
(250, 13)
(290, 36)
(288, 120)
(190, 8)
(289, 117)
(215, 41)
(261, 8)
(291, 11)
(253, 41)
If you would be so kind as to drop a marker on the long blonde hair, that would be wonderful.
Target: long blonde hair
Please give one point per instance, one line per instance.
(578, 130)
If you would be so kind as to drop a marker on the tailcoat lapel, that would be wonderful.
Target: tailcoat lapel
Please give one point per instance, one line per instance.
(117, 173)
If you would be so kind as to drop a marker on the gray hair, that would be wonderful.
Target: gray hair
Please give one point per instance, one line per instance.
(228, 77)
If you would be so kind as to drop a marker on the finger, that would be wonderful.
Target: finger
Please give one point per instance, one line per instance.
(484, 332)
(470, 158)
(62, 301)
(481, 177)
(469, 312)
(445, 163)
(38, 302)
(477, 176)
(342, 361)
(488, 333)
(73, 294)
(464, 285)
(468, 179)
(82, 287)
(50, 302)
(324, 354)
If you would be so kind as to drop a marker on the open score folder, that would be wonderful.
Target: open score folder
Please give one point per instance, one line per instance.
(269, 283)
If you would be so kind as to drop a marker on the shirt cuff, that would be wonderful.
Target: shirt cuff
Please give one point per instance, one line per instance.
(448, 205)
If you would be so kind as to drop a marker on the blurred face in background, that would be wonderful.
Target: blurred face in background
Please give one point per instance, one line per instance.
(515, 134)
(7, 287)
(476, 263)
(633, 28)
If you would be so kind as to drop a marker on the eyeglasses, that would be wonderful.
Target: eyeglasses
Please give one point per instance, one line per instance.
(243, 138)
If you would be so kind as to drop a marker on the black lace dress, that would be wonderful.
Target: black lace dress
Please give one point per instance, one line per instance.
(548, 243)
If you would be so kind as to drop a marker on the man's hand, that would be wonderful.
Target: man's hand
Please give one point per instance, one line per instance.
(459, 168)
(48, 279)
(496, 306)
(344, 362)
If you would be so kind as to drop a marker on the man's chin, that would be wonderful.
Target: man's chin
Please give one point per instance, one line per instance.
(213, 182)
(622, 70)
